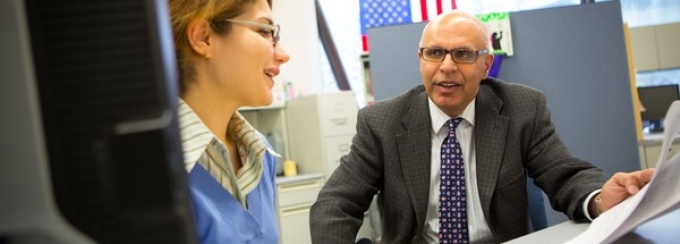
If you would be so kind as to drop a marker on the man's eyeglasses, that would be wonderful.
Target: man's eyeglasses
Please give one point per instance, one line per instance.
(459, 55)
(271, 31)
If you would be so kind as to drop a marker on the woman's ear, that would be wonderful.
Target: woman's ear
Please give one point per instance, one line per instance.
(198, 34)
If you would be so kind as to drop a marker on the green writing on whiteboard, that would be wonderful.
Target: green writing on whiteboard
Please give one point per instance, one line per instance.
(493, 16)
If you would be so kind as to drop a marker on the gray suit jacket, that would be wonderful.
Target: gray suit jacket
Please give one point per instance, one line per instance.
(390, 156)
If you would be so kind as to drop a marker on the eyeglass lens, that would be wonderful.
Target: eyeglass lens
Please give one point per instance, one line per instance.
(276, 34)
(274, 30)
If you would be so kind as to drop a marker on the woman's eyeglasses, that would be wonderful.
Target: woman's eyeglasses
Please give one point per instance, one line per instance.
(272, 31)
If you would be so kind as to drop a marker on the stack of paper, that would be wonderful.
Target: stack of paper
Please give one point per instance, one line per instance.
(660, 196)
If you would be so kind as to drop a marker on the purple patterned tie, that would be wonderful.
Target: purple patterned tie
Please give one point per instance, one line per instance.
(453, 227)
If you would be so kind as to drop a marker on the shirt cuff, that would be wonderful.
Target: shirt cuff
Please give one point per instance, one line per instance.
(585, 203)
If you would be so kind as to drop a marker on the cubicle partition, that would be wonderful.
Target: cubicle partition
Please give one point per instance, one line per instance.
(576, 55)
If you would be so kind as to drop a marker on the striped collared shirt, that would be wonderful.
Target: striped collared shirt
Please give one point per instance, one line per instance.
(201, 146)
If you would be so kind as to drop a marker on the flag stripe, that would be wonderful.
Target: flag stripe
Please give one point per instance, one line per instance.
(416, 15)
(423, 10)
(446, 6)
(439, 7)
(431, 9)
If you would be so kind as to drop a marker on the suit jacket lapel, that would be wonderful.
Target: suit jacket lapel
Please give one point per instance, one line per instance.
(414, 145)
(490, 136)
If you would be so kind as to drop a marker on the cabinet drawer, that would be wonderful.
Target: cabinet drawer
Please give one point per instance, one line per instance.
(336, 147)
(302, 192)
(337, 115)
(295, 225)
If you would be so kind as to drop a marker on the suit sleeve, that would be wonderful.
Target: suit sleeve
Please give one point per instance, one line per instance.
(566, 179)
(338, 212)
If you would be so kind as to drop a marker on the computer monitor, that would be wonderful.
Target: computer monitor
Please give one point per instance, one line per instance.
(656, 100)
(90, 150)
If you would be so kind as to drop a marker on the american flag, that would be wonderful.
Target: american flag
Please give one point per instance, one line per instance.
(376, 13)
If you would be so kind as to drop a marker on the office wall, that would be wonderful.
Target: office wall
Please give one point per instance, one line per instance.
(299, 37)
(576, 55)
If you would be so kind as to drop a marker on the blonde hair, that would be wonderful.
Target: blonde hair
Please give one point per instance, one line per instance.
(184, 12)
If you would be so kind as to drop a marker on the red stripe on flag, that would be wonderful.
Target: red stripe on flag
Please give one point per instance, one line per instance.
(453, 4)
(439, 7)
(364, 42)
(423, 10)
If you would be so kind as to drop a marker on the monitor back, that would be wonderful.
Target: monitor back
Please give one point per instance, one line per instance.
(105, 84)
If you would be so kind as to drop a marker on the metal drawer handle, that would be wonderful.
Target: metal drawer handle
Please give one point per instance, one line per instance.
(339, 121)
(300, 209)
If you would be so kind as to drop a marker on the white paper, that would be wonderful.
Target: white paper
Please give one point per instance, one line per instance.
(661, 195)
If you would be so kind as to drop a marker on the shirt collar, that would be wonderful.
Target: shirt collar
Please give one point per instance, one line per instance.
(438, 117)
(194, 133)
(196, 136)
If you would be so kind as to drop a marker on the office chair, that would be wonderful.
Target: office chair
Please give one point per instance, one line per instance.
(537, 215)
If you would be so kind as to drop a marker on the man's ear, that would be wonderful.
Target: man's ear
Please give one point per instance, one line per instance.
(198, 34)
(488, 62)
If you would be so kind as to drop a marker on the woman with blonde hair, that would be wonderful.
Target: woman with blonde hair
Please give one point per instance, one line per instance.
(227, 56)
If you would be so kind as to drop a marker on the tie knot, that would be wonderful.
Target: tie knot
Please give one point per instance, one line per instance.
(453, 123)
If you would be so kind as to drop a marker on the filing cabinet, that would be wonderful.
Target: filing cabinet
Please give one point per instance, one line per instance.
(320, 130)
(295, 198)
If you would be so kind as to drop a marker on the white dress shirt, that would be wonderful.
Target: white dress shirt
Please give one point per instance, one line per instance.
(478, 229)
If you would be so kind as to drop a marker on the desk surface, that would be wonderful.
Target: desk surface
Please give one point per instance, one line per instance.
(298, 178)
(664, 229)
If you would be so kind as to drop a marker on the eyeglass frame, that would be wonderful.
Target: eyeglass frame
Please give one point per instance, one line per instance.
(451, 51)
(274, 29)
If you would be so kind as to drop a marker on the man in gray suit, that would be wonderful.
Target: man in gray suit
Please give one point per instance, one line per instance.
(505, 132)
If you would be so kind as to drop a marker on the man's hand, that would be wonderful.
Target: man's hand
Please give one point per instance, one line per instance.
(622, 186)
